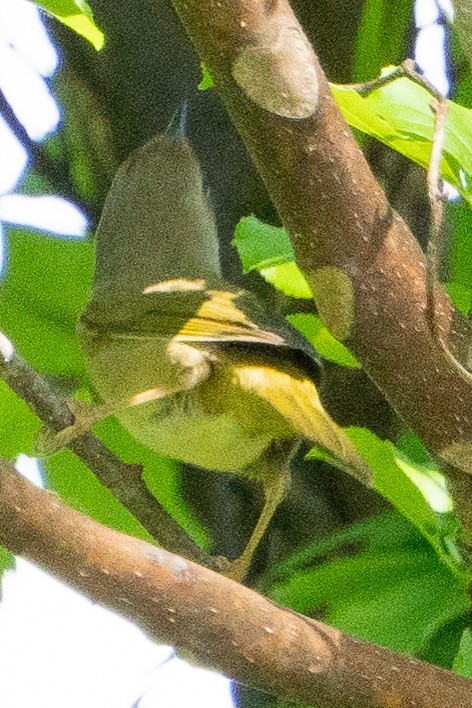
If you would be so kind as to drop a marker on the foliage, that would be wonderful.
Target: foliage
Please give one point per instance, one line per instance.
(77, 15)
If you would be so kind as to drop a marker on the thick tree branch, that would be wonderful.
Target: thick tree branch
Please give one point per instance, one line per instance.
(343, 230)
(123, 480)
(231, 627)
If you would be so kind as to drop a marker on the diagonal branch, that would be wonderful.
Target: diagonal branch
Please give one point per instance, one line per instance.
(223, 623)
(344, 232)
(125, 481)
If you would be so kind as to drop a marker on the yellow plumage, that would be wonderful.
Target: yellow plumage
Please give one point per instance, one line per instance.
(194, 368)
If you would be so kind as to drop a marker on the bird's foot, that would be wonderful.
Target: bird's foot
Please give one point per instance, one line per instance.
(85, 415)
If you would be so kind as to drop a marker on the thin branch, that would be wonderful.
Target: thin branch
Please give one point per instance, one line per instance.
(224, 624)
(123, 480)
(405, 70)
(436, 200)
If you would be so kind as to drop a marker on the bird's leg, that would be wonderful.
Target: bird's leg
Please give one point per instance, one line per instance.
(274, 474)
(85, 416)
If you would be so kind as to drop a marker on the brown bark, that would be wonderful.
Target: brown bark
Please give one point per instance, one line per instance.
(225, 624)
(337, 215)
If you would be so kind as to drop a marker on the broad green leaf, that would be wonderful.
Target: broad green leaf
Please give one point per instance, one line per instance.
(417, 490)
(77, 15)
(460, 296)
(387, 530)
(42, 294)
(463, 661)
(268, 249)
(261, 245)
(319, 335)
(394, 592)
(459, 220)
(78, 487)
(289, 279)
(206, 80)
(400, 116)
(18, 425)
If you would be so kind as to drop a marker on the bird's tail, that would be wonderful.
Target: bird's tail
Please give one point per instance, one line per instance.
(298, 401)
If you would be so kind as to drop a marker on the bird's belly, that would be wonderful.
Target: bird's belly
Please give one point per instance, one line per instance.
(217, 442)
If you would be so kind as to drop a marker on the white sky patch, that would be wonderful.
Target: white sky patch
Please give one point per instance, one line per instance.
(28, 95)
(426, 13)
(47, 213)
(433, 64)
(59, 650)
(14, 158)
(169, 691)
(448, 9)
(28, 466)
(21, 26)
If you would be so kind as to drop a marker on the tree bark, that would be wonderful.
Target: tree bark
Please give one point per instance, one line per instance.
(227, 625)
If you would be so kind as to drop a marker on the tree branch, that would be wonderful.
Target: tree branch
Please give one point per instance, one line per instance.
(223, 623)
(340, 222)
(123, 480)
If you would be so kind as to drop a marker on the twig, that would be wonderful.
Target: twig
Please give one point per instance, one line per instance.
(439, 108)
(123, 480)
(405, 70)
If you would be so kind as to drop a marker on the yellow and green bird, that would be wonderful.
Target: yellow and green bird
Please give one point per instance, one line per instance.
(193, 367)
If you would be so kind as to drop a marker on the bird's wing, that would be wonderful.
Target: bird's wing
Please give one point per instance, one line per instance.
(193, 311)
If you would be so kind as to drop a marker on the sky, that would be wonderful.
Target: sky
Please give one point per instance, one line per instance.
(57, 649)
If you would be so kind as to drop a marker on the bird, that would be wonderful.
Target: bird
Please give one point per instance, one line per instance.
(194, 367)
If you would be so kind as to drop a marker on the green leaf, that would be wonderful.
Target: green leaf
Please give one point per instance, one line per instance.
(394, 592)
(261, 245)
(18, 425)
(319, 335)
(42, 294)
(400, 116)
(289, 279)
(77, 15)
(460, 296)
(417, 490)
(458, 216)
(387, 530)
(207, 79)
(267, 249)
(79, 487)
(463, 661)
(161, 474)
